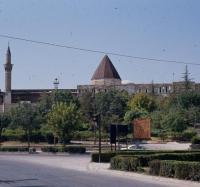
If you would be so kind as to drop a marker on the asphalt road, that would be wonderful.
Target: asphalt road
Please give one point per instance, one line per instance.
(34, 171)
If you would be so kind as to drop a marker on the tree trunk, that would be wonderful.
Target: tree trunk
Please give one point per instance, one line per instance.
(95, 135)
(28, 138)
(0, 135)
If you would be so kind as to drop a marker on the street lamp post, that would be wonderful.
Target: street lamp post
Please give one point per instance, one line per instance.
(56, 84)
(97, 120)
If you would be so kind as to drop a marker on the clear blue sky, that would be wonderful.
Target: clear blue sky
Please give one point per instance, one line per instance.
(168, 29)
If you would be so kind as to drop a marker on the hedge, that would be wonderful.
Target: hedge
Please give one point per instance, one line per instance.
(125, 163)
(13, 149)
(50, 149)
(69, 149)
(75, 149)
(145, 159)
(176, 169)
(196, 140)
(106, 156)
(134, 163)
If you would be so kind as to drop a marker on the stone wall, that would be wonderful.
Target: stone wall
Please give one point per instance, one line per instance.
(106, 82)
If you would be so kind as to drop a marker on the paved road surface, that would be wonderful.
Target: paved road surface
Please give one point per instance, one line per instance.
(167, 146)
(68, 171)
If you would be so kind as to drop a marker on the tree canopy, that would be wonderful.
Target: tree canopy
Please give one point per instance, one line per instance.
(63, 119)
(4, 122)
(25, 116)
(142, 101)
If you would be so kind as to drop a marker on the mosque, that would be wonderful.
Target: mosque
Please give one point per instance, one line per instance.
(104, 78)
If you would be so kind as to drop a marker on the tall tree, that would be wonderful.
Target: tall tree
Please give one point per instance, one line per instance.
(86, 101)
(25, 116)
(112, 106)
(175, 120)
(142, 101)
(4, 122)
(63, 119)
(56, 96)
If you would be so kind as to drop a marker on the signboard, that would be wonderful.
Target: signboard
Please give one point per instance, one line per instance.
(117, 130)
(142, 128)
(113, 134)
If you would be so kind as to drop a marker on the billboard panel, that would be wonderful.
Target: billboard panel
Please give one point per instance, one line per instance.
(142, 128)
(117, 130)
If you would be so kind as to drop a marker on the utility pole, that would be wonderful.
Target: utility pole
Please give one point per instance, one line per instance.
(97, 120)
(56, 84)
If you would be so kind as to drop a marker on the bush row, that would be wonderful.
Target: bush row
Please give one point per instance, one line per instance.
(176, 169)
(88, 135)
(106, 157)
(19, 135)
(14, 149)
(125, 163)
(196, 140)
(69, 149)
(145, 159)
(132, 163)
(186, 135)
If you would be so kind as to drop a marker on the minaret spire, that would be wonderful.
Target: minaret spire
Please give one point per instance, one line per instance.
(8, 55)
(8, 70)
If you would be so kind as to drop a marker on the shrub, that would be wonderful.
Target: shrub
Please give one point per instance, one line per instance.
(69, 149)
(14, 149)
(49, 137)
(74, 149)
(176, 136)
(154, 167)
(186, 135)
(106, 156)
(50, 149)
(196, 140)
(167, 169)
(187, 170)
(14, 135)
(177, 169)
(83, 135)
(125, 163)
(145, 159)
(189, 134)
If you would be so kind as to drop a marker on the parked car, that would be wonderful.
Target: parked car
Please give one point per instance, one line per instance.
(132, 147)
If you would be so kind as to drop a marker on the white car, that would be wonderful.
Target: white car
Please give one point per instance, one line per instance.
(132, 147)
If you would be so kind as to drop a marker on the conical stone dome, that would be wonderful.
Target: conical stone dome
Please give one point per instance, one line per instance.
(106, 74)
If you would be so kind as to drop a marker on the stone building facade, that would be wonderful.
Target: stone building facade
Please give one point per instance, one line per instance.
(11, 97)
(104, 78)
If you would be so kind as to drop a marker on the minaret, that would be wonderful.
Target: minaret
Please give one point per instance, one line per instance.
(8, 70)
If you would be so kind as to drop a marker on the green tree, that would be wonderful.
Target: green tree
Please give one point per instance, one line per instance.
(158, 127)
(175, 120)
(63, 119)
(47, 100)
(187, 100)
(4, 123)
(112, 106)
(111, 102)
(86, 101)
(142, 101)
(25, 116)
(46, 103)
(130, 115)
